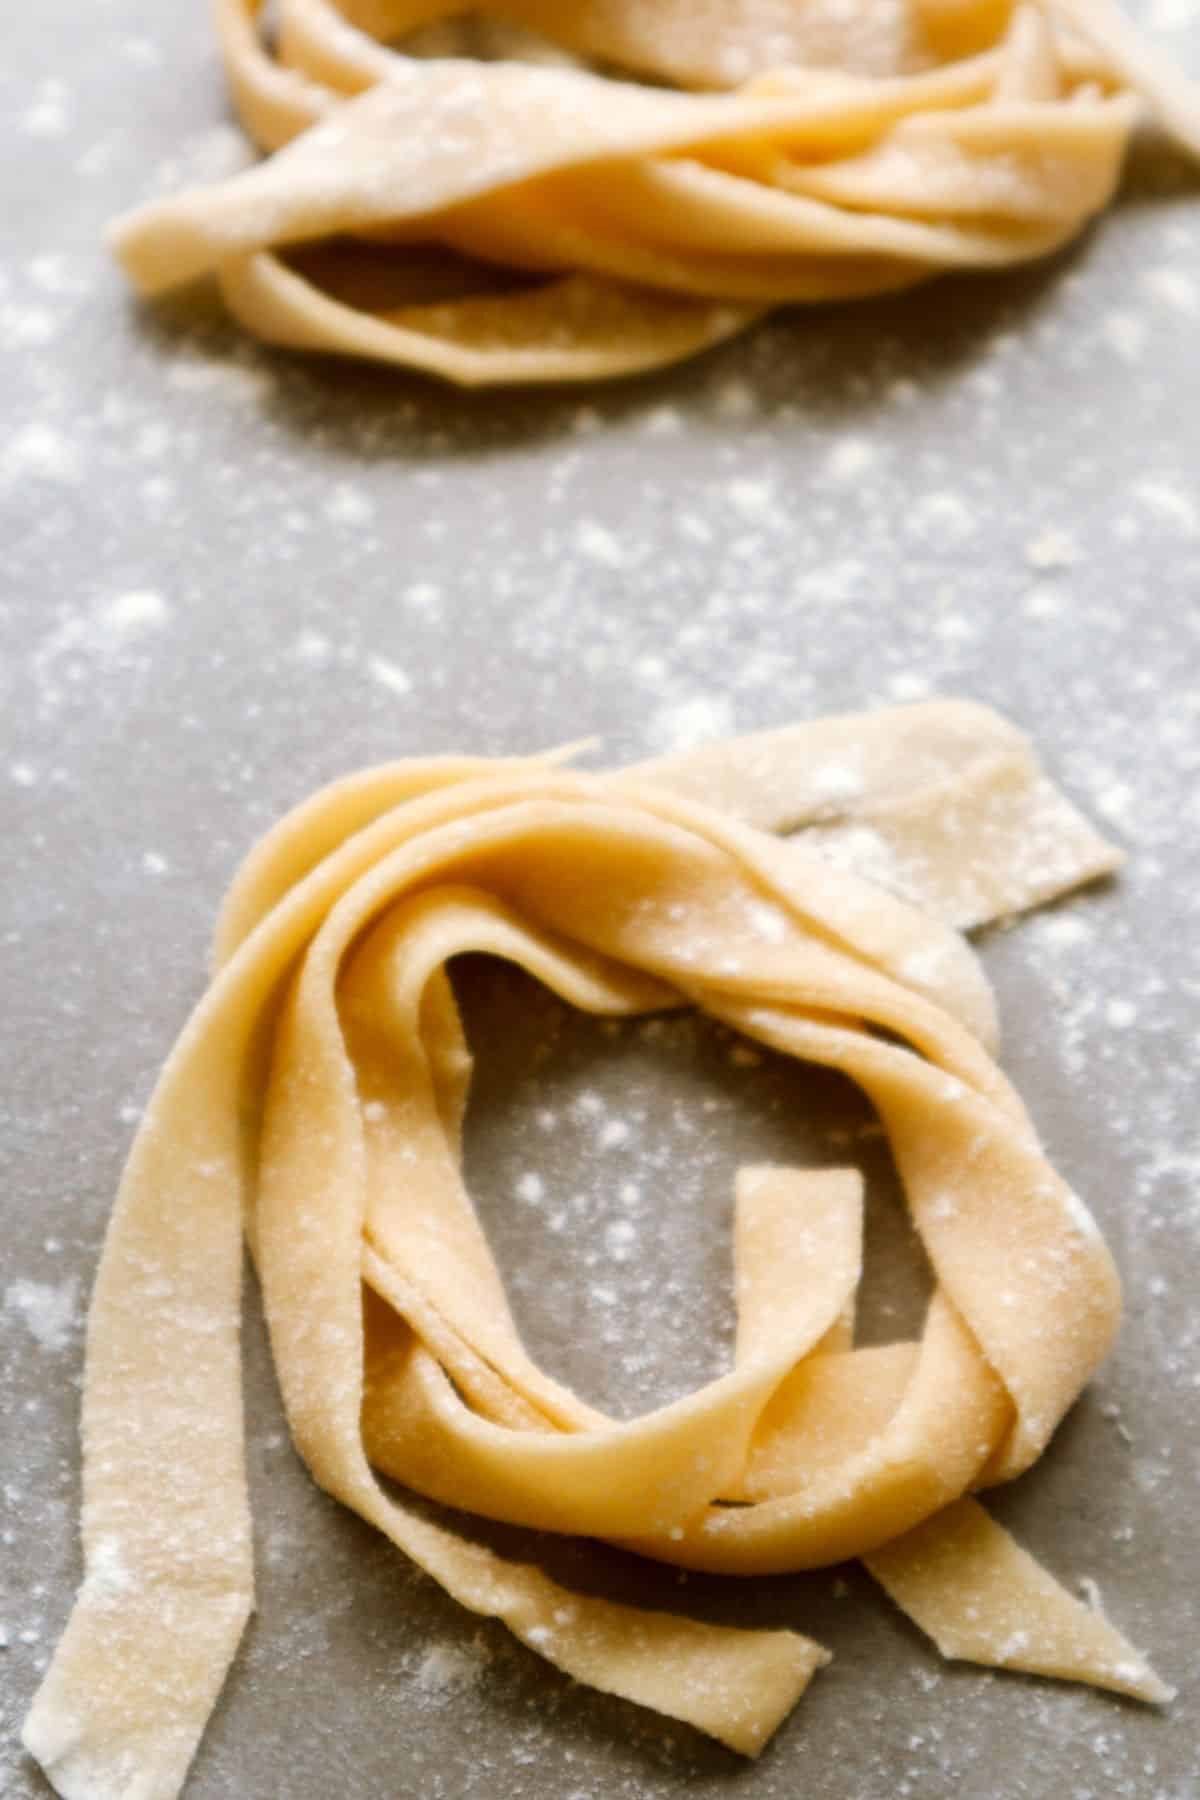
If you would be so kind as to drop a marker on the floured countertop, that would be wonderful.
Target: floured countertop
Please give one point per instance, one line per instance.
(228, 576)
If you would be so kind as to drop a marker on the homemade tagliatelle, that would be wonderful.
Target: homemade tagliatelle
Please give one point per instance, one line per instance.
(529, 218)
(315, 1102)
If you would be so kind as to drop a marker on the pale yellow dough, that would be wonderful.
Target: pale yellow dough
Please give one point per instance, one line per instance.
(315, 1102)
(858, 149)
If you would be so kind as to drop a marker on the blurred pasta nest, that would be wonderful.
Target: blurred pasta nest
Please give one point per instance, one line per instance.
(538, 193)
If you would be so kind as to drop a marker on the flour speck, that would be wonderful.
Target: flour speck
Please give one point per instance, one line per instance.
(1168, 501)
(49, 1313)
(850, 458)
(38, 450)
(599, 544)
(683, 723)
(1053, 548)
(1173, 288)
(349, 506)
(313, 649)
(449, 1668)
(942, 520)
(531, 1188)
(1125, 334)
(48, 115)
(389, 675)
(754, 499)
(140, 610)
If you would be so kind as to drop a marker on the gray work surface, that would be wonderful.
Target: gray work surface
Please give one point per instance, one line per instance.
(228, 575)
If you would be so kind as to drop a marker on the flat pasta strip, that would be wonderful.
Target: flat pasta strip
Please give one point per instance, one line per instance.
(963, 822)
(575, 329)
(810, 158)
(315, 1102)
(980, 1597)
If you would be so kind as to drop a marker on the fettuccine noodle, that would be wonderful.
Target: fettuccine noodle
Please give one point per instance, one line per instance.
(591, 226)
(315, 1102)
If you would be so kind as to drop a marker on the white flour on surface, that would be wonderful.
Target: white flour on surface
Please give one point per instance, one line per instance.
(49, 1312)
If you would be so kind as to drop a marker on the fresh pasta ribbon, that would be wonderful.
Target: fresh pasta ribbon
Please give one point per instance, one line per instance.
(315, 1101)
(584, 226)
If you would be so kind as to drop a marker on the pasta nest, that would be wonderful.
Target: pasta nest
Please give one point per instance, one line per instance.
(544, 216)
(315, 1101)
